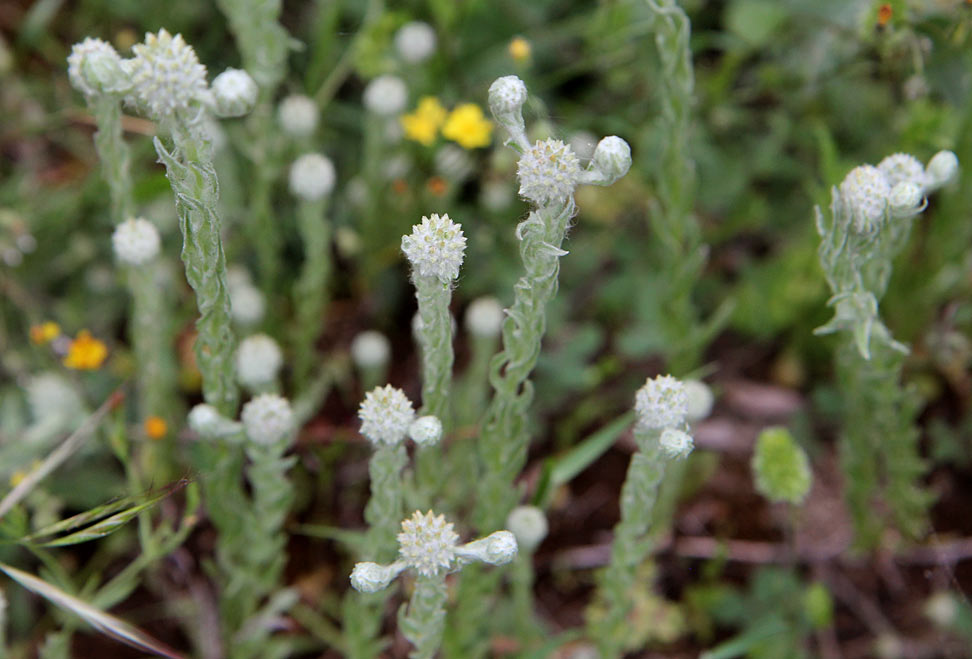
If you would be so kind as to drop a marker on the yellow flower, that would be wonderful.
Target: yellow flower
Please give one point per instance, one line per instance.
(519, 49)
(467, 126)
(423, 124)
(86, 352)
(44, 333)
(155, 427)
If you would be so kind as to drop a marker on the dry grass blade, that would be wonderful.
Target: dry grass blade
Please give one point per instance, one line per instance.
(103, 622)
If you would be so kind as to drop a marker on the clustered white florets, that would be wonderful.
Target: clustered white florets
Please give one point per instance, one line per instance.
(864, 192)
(548, 172)
(415, 41)
(386, 95)
(386, 415)
(298, 115)
(167, 77)
(136, 241)
(247, 303)
(661, 403)
(312, 177)
(435, 248)
(94, 67)
(427, 543)
(258, 361)
(234, 93)
(506, 98)
(267, 419)
(902, 167)
(676, 444)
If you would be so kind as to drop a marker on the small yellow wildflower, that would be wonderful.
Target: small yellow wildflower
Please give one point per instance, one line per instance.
(45, 332)
(155, 427)
(467, 126)
(86, 353)
(519, 49)
(423, 124)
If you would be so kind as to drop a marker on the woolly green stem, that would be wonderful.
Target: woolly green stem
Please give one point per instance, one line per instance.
(310, 290)
(423, 623)
(114, 155)
(503, 437)
(384, 510)
(261, 39)
(192, 177)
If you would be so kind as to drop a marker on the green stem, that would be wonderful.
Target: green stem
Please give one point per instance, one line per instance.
(423, 622)
(310, 290)
(384, 511)
(114, 155)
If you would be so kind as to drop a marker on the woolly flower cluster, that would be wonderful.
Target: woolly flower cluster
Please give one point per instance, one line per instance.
(166, 75)
(298, 115)
(548, 172)
(258, 360)
(865, 192)
(234, 93)
(435, 248)
(386, 415)
(135, 241)
(95, 68)
(312, 177)
(663, 404)
(267, 419)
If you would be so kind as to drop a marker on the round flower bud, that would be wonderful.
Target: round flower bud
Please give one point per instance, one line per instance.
(370, 349)
(902, 167)
(941, 609)
(941, 169)
(484, 317)
(258, 361)
(661, 403)
(905, 199)
(372, 577)
(676, 444)
(864, 192)
(548, 172)
(426, 430)
(700, 400)
(529, 525)
(267, 419)
(435, 248)
(234, 93)
(206, 421)
(166, 75)
(612, 160)
(506, 98)
(136, 241)
(246, 304)
(427, 543)
(386, 415)
(298, 115)
(312, 177)
(386, 95)
(497, 548)
(415, 41)
(94, 67)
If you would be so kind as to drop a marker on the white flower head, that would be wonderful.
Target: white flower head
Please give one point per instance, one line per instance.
(484, 317)
(208, 422)
(497, 548)
(941, 169)
(312, 177)
(864, 192)
(700, 400)
(548, 172)
(370, 349)
(902, 167)
(267, 419)
(529, 525)
(386, 95)
(94, 67)
(426, 430)
(676, 444)
(247, 303)
(167, 77)
(386, 415)
(506, 98)
(372, 577)
(298, 115)
(435, 248)
(661, 403)
(258, 361)
(905, 199)
(234, 93)
(427, 543)
(136, 241)
(415, 41)
(611, 160)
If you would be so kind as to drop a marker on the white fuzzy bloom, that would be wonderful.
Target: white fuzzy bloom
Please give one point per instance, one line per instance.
(267, 419)
(370, 349)
(247, 304)
(700, 400)
(234, 93)
(258, 361)
(373, 577)
(312, 177)
(166, 75)
(497, 548)
(661, 403)
(50, 395)
(136, 241)
(905, 199)
(435, 248)
(864, 192)
(611, 160)
(901, 167)
(415, 41)
(484, 317)
(506, 98)
(206, 421)
(676, 444)
(426, 430)
(386, 415)
(548, 172)
(941, 169)
(427, 543)
(386, 95)
(94, 67)
(529, 525)
(298, 115)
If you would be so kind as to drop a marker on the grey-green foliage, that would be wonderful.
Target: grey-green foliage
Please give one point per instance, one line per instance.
(780, 467)
(310, 289)
(261, 39)
(423, 620)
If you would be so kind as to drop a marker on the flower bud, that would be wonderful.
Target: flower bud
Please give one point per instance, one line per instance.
(258, 361)
(206, 421)
(611, 160)
(370, 349)
(699, 400)
(298, 115)
(267, 419)
(373, 577)
(385, 96)
(484, 317)
(425, 430)
(506, 98)
(247, 304)
(94, 67)
(234, 93)
(941, 169)
(386, 415)
(135, 241)
(905, 199)
(415, 41)
(312, 177)
(676, 444)
(529, 525)
(497, 548)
